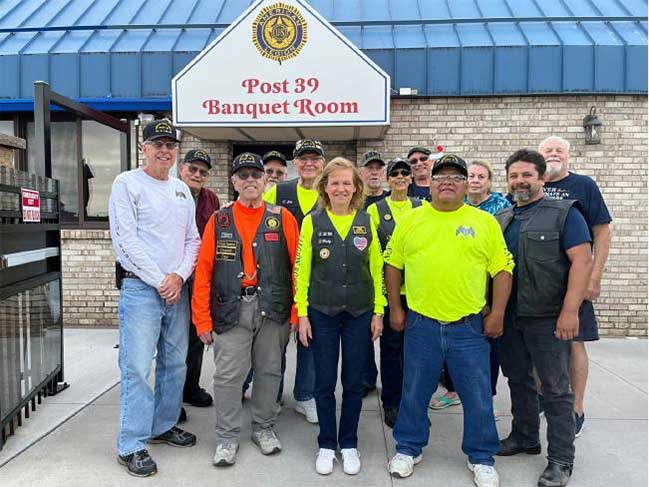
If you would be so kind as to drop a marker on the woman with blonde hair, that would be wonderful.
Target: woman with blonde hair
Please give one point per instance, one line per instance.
(339, 298)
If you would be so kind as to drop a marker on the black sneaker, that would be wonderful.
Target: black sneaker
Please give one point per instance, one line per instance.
(555, 475)
(138, 464)
(368, 388)
(200, 399)
(390, 416)
(175, 437)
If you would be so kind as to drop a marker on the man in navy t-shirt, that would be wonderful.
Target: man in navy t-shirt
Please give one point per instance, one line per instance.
(561, 184)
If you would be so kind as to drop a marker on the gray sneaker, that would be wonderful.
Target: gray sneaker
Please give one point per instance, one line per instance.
(267, 441)
(225, 454)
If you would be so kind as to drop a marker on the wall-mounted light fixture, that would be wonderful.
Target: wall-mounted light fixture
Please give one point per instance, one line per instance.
(592, 127)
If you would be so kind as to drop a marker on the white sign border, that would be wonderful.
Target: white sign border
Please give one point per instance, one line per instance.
(285, 123)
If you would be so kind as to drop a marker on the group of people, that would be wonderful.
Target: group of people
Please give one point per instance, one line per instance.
(450, 292)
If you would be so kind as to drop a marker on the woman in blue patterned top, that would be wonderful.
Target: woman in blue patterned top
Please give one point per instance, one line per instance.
(480, 196)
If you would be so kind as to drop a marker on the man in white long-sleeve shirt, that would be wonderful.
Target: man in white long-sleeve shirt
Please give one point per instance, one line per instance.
(154, 234)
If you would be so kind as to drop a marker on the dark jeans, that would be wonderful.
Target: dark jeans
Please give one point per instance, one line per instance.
(391, 361)
(370, 372)
(494, 367)
(530, 343)
(304, 373)
(194, 359)
(330, 334)
(427, 344)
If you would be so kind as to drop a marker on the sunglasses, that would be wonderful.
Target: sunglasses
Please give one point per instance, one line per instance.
(277, 172)
(244, 174)
(159, 145)
(399, 172)
(442, 178)
(415, 160)
(195, 169)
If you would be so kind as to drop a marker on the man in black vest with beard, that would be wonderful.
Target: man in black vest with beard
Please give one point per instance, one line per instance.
(243, 292)
(550, 243)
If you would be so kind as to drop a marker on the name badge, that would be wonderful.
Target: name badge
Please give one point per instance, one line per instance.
(226, 250)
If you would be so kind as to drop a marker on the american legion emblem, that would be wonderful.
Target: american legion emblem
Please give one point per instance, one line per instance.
(279, 32)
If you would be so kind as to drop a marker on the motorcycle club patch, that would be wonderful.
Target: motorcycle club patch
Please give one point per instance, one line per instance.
(360, 243)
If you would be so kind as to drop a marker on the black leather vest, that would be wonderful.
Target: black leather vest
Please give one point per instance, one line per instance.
(273, 269)
(287, 197)
(542, 268)
(340, 271)
(386, 220)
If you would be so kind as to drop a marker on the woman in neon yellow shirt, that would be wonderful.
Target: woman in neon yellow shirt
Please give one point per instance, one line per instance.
(339, 298)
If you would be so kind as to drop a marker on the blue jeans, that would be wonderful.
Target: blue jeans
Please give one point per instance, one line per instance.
(147, 325)
(427, 344)
(304, 373)
(330, 334)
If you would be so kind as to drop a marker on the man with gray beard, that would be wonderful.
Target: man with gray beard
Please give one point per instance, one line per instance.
(562, 184)
(550, 243)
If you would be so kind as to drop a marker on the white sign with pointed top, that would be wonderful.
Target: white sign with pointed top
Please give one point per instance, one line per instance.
(280, 64)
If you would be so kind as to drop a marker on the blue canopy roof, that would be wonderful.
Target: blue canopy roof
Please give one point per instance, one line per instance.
(122, 54)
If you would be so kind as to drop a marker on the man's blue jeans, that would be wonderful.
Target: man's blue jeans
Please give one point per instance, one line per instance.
(304, 373)
(427, 344)
(147, 325)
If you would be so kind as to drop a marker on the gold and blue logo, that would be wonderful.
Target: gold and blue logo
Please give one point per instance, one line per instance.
(279, 32)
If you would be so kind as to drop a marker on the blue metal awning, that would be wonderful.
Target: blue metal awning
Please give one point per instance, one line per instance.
(122, 54)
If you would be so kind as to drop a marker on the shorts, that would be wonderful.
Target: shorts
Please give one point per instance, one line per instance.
(587, 323)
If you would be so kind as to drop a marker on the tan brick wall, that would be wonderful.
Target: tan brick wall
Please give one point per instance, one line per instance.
(89, 294)
(485, 128)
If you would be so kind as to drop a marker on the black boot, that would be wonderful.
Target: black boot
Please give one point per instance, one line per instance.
(511, 446)
(555, 475)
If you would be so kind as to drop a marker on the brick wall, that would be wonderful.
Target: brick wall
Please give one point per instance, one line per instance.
(485, 128)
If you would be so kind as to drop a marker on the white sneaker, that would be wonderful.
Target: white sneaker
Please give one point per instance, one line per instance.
(402, 466)
(308, 409)
(225, 454)
(484, 475)
(267, 441)
(324, 462)
(351, 461)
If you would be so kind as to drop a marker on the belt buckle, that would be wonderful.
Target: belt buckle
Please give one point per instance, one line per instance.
(249, 290)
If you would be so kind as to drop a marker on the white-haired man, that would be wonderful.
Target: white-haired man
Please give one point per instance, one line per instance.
(560, 183)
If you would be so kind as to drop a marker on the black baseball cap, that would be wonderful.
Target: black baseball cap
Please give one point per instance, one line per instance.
(370, 156)
(398, 162)
(247, 159)
(423, 150)
(199, 156)
(450, 160)
(159, 129)
(274, 155)
(303, 146)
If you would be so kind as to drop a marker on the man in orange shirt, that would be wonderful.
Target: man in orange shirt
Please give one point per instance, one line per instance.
(243, 293)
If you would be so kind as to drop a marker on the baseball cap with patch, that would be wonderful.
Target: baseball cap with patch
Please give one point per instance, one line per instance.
(274, 155)
(159, 129)
(200, 156)
(450, 160)
(423, 150)
(303, 146)
(398, 162)
(370, 156)
(247, 159)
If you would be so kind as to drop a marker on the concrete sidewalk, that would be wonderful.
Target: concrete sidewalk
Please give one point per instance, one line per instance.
(70, 440)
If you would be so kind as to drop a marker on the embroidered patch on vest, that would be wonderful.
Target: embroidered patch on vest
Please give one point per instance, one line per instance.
(387, 217)
(325, 253)
(226, 250)
(271, 237)
(359, 230)
(360, 243)
(272, 223)
(223, 220)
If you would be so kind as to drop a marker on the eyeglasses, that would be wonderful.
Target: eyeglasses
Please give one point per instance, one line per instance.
(415, 160)
(195, 169)
(159, 145)
(244, 174)
(450, 178)
(399, 172)
(278, 172)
